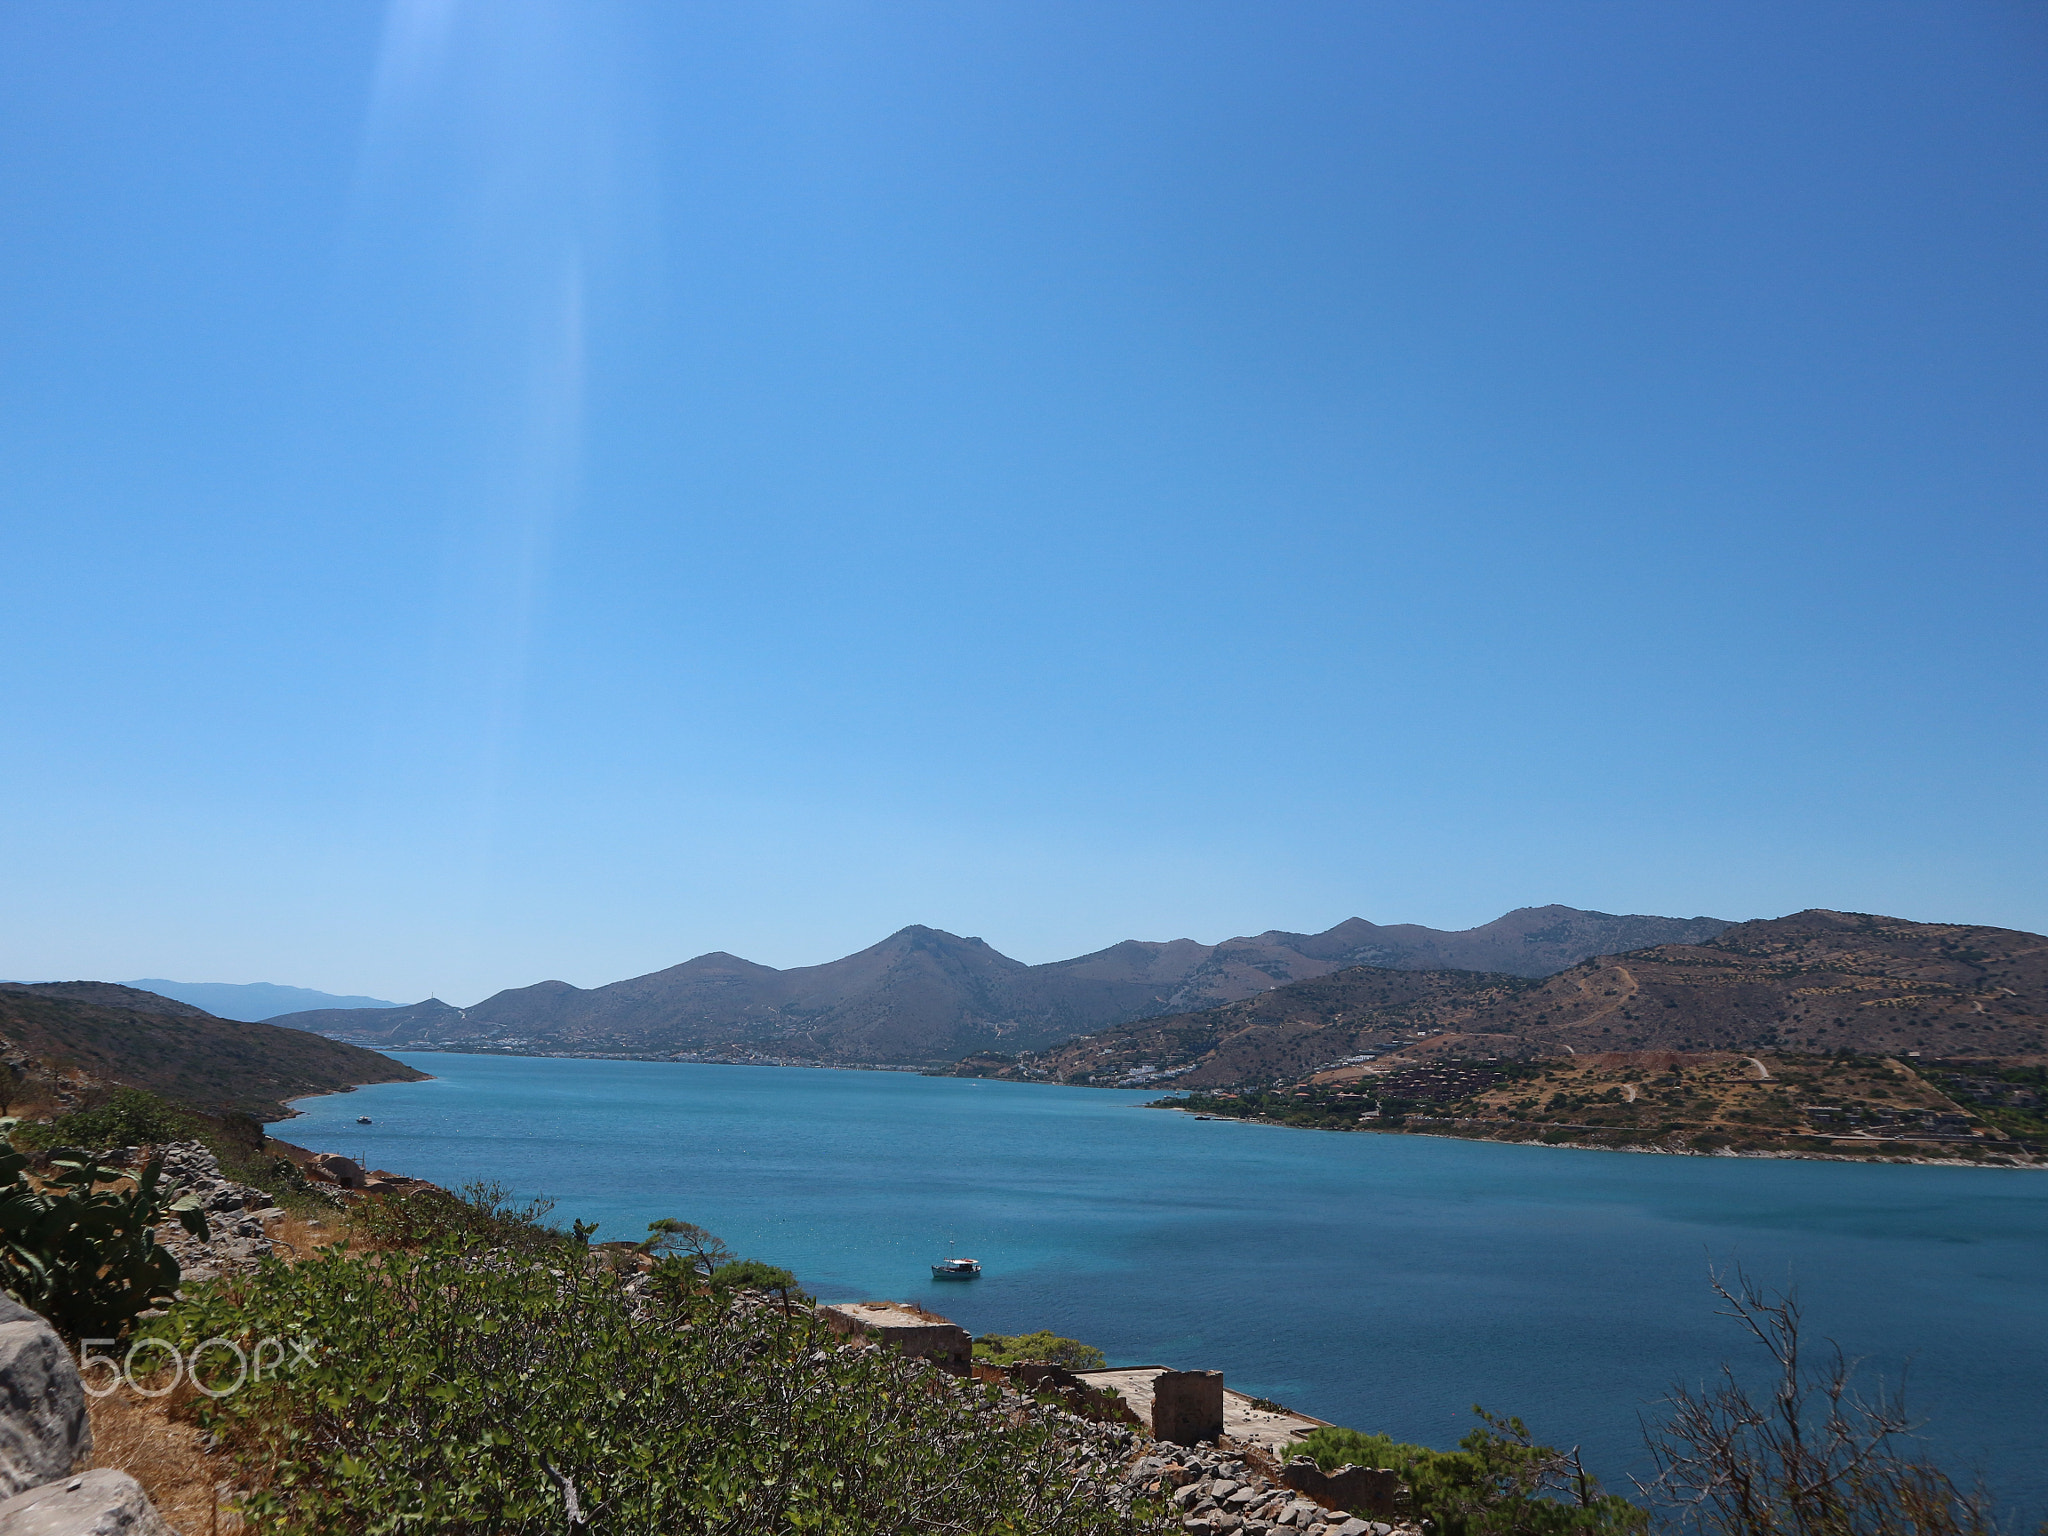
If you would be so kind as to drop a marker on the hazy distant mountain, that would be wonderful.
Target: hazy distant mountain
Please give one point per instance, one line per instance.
(412, 1023)
(1814, 981)
(253, 1001)
(923, 995)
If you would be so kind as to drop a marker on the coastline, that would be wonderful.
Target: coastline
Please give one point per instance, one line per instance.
(834, 1178)
(292, 1110)
(1759, 1154)
(1755, 1154)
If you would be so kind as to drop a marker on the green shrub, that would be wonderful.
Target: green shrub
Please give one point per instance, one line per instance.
(127, 1117)
(753, 1275)
(698, 1251)
(472, 1394)
(1008, 1349)
(279, 1177)
(84, 1256)
(1497, 1483)
(133, 1117)
(479, 1215)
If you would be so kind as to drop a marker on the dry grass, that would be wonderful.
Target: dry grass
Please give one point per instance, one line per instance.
(154, 1440)
(298, 1234)
(36, 1107)
(1712, 1091)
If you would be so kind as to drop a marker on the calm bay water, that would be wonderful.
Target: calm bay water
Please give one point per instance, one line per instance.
(1385, 1282)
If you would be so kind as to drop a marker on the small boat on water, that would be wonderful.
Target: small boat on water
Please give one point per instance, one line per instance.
(362, 1120)
(957, 1269)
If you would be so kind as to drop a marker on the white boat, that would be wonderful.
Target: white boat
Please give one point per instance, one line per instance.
(957, 1269)
(362, 1119)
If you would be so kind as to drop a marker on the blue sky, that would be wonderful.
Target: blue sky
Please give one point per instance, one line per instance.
(517, 490)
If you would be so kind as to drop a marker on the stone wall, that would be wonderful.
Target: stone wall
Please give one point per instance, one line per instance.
(1230, 1490)
(1187, 1406)
(1374, 1491)
(907, 1327)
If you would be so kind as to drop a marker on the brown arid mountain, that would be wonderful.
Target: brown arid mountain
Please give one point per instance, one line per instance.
(1530, 941)
(117, 1034)
(1814, 981)
(924, 996)
(416, 1021)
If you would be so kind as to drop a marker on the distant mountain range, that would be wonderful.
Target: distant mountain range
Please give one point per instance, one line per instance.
(122, 1035)
(252, 1001)
(1814, 981)
(924, 996)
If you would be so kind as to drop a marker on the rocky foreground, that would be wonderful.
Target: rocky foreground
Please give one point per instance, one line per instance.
(1216, 1489)
(237, 1216)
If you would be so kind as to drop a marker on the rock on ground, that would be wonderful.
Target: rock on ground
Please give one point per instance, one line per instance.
(235, 1216)
(43, 1427)
(1215, 1491)
(44, 1433)
(98, 1503)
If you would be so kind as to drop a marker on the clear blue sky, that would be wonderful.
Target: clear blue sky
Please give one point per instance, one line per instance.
(494, 491)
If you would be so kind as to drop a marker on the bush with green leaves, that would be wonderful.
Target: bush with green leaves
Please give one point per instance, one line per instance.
(126, 1117)
(134, 1117)
(480, 1215)
(468, 1394)
(1497, 1483)
(670, 1237)
(754, 1275)
(82, 1248)
(1009, 1349)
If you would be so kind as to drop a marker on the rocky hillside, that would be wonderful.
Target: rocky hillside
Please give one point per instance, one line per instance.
(121, 1035)
(1814, 981)
(1280, 1034)
(923, 995)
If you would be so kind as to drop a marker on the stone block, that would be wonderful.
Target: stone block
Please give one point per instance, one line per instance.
(345, 1171)
(98, 1503)
(1040, 1376)
(43, 1428)
(906, 1327)
(1187, 1406)
(1374, 1491)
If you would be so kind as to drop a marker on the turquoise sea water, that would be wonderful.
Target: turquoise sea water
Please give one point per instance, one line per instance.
(1386, 1282)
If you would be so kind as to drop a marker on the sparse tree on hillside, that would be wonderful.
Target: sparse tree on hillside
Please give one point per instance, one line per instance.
(685, 1240)
(1810, 1457)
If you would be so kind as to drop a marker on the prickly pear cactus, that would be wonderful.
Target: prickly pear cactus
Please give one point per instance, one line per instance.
(81, 1249)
